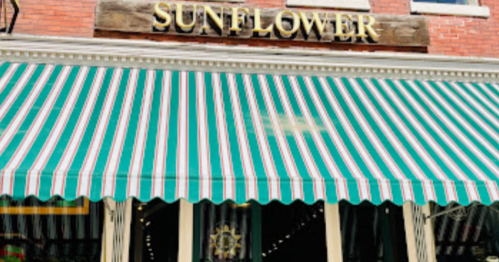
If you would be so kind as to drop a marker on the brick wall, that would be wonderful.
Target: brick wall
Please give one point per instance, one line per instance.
(450, 35)
(56, 17)
(462, 36)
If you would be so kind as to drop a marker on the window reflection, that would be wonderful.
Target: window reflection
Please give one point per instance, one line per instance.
(253, 233)
(223, 232)
(295, 232)
(55, 230)
(466, 233)
(373, 233)
(154, 231)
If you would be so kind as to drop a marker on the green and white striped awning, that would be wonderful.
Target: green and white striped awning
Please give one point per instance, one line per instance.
(97, 132)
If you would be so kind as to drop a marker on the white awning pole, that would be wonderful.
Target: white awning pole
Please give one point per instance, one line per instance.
(333, 233)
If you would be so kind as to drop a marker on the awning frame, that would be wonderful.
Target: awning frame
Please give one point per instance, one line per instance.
(223, 58)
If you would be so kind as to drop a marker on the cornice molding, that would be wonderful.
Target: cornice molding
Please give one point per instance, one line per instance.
(221, 58)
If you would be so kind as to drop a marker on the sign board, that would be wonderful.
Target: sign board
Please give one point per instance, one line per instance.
(201, 20)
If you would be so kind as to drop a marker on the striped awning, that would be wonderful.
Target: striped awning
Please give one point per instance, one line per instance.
(96, 132)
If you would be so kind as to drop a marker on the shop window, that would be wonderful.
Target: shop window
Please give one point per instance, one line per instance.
(464, 234)
(154, 231)
(295, 232)
(253, 233)
(372, 233)
(55, 230)
(458, 2)
(450, 7)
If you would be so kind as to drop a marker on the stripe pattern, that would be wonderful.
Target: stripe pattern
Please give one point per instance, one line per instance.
(117, 132)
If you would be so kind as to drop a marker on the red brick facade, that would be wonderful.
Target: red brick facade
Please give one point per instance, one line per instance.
(450, 35)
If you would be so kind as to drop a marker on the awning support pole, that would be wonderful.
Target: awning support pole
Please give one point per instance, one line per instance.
(333, 233)
(419, 235)
(108, 230)
(186, 227)
(116, 230)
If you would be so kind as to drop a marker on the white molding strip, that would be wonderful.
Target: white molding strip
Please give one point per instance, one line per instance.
(360, 5)
(450, 9)
(243, 59)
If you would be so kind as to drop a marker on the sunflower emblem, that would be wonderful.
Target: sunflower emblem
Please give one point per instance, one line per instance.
(225, 242)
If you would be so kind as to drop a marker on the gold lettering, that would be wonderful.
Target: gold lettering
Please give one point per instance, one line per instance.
(180, 17)
(278, 22)
(341, 26)
(258, 23)
(162, 14)
(320, 25)
(237, 19)
(219, 20)
(369, 27)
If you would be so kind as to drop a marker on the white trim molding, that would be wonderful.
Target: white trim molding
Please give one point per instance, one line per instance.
(243, 59)
(450, 9)
(359, 5)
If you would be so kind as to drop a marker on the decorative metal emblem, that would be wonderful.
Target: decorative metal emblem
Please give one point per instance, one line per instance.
(225, 242)
(459, 214)
(8, 28)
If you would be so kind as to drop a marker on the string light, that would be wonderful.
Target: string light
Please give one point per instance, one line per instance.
(297, 228)
(146, 223)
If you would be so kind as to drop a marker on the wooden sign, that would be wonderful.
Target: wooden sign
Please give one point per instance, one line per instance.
(191, 19)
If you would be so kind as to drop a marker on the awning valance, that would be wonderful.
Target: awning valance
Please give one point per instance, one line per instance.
(96, 132)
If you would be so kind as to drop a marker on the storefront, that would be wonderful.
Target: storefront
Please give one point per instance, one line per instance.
(131, 150)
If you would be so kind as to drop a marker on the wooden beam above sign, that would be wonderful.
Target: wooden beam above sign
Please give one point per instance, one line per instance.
(193, 19)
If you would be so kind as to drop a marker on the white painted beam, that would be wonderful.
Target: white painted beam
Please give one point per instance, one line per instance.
(108, 230)
(409, 233)
(333, 233)
(186, 228)
(429, 234)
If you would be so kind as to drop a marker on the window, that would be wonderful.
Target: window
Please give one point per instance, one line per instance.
(450, 7)
(154, 231)
(458, 2)
(361, 5)
(466, 233)
(259, 233)
(55, 230)
(372, 233)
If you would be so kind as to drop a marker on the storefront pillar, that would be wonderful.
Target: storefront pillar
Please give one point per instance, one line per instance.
(186, 222)
(333, 234)
(116, 230)
(419, 233)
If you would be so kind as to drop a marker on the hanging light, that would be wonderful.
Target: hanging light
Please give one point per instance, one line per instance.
(243, 205)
